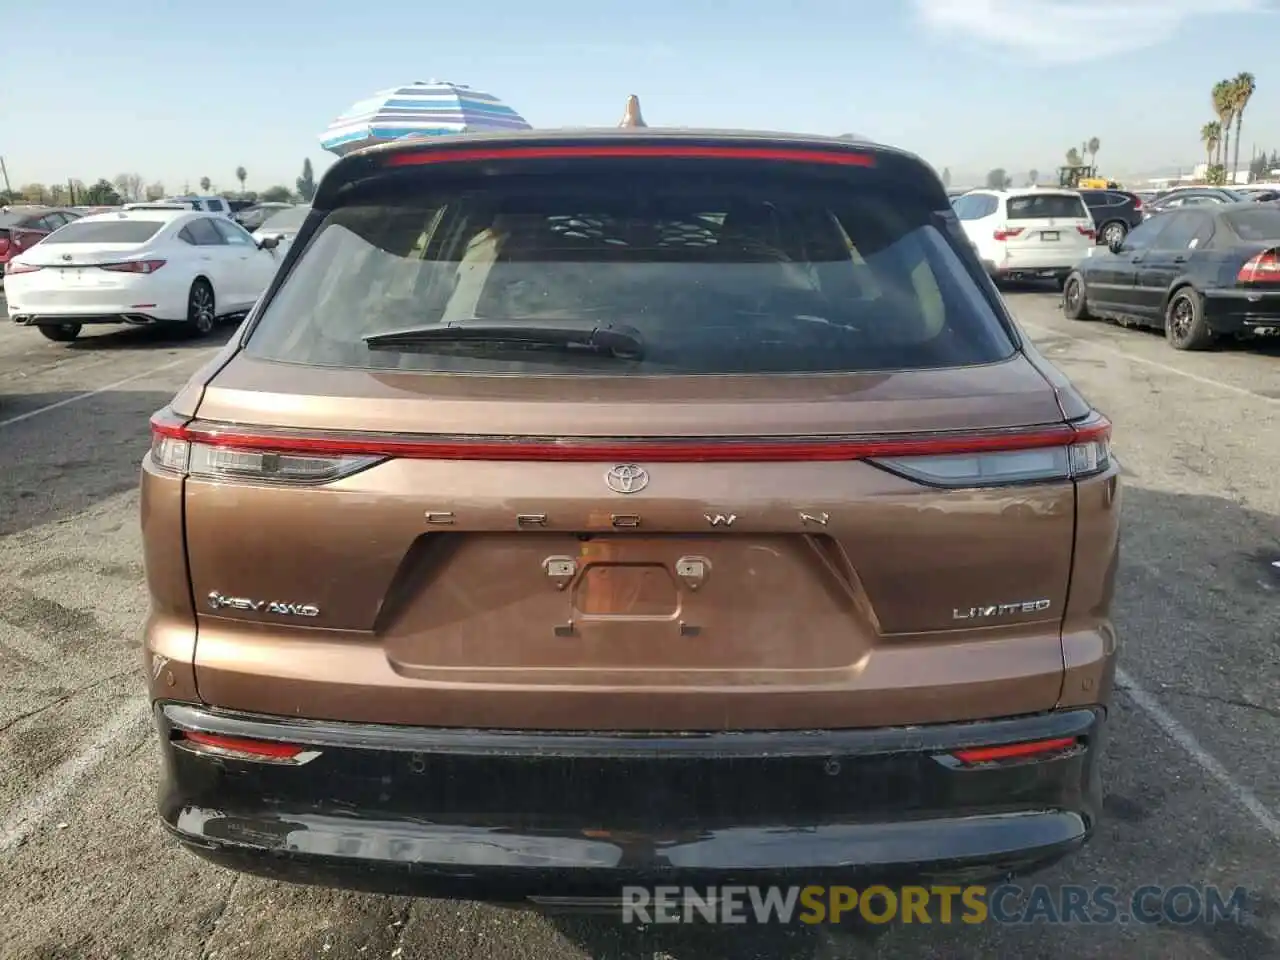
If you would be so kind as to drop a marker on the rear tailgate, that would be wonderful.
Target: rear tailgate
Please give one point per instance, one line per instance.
(1048, 224)
(503, 539)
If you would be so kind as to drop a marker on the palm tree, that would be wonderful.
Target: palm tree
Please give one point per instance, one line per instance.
(1242, 88)
(242, 176)
(1033, 176)
(1210, 136)
(1073, 157)
(1222, 106)
(1093, 146)
(205, 184)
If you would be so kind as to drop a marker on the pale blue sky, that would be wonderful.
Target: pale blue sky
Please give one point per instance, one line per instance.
(179, 90)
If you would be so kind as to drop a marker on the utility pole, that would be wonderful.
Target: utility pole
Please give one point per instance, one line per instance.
(5, 170)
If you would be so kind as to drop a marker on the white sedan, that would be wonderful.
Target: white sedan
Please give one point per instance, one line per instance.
(139, 266)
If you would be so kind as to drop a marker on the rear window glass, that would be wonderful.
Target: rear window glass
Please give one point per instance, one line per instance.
(1260, 224)
(290, 219)
(1046, 206)
(718, 272)
(16, 216)
(106, 231)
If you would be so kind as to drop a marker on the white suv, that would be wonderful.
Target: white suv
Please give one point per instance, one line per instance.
(1029, 234)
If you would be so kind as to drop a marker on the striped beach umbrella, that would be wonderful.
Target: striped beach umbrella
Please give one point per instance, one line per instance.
(419, 109)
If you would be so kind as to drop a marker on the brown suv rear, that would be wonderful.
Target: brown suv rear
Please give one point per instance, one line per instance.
(579, 509)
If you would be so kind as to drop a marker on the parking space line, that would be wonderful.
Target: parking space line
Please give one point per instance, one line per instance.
(1103, 348)
(1203, 759)
(19, 823)
(93, 393)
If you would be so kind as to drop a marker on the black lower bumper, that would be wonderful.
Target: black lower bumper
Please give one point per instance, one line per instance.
(511, 816)
(1242, 312)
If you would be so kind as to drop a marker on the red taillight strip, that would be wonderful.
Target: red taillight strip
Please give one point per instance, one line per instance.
(841, 158)
(694, 450)
(270, 751)
(1015, 751)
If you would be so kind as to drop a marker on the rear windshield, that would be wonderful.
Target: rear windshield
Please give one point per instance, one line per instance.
(715, 273)
(1260, 224)
(289, 219)
(1046, 206)
(106, 231)
(17, 215)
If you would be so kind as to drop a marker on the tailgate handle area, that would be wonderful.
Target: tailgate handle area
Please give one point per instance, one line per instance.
(693, 571)
(561, 570)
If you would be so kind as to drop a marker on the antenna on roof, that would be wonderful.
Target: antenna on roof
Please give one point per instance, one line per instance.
(631, 115)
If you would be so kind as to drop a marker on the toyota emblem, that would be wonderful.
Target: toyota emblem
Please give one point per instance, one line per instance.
(627, 478)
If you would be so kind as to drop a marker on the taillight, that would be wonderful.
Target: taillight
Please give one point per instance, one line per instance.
(1007, 233)
(133, 266)
(4, 242)
(1069, 452)
(207, 454)
(1087, 232)
(1264, 268)
(1137, 204)
(231, 452)
(13, 267)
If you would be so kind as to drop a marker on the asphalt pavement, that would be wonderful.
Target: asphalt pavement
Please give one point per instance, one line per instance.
(1192, 774)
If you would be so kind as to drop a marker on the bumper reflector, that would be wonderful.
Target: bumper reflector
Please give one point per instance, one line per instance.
(243, 748)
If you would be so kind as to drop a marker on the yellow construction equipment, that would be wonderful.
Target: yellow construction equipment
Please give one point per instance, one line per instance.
(1084, 177)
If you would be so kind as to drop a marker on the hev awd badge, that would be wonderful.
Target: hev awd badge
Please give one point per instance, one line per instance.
(220, 601)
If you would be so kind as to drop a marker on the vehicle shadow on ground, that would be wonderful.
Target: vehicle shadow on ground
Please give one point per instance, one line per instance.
(1267, 346)
(141, 338)
(62, 463)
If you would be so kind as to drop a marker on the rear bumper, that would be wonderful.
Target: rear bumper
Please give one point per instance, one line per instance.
(1242, 311)
(508, 815)
(33, 304)
(54, 319)
(1010, 270)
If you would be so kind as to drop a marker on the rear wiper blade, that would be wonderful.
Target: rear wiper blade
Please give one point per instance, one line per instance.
(569, 334)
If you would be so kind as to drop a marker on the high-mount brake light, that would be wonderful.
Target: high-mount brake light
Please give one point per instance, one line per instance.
(1264, 268)
(233, 452)
(639, 151)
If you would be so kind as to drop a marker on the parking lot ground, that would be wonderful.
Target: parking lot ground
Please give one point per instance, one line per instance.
(1192, 774)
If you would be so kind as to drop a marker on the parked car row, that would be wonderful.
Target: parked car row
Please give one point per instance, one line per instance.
(1201, 263)
(1201, 272)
